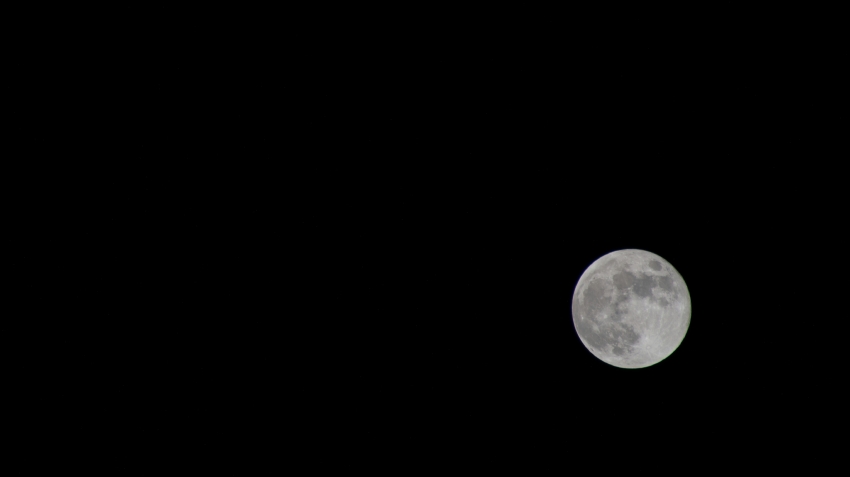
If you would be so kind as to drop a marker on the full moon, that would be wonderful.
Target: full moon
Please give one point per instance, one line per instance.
(631, 308)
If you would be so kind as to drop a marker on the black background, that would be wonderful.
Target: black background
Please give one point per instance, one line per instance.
(361, 241)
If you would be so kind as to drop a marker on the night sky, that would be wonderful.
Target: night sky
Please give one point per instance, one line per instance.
(369, 241)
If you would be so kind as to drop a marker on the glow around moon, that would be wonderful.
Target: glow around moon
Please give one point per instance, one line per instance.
(631, 308)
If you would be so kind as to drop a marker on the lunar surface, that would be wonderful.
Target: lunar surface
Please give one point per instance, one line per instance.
(631, 308)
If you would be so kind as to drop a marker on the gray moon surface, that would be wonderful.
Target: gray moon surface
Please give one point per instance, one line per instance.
(631, 308)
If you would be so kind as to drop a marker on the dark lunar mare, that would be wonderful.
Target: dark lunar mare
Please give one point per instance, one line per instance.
(624, 280)
(665, 283)
(643, 286)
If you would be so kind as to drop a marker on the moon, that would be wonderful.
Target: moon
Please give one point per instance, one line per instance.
(631, 308)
